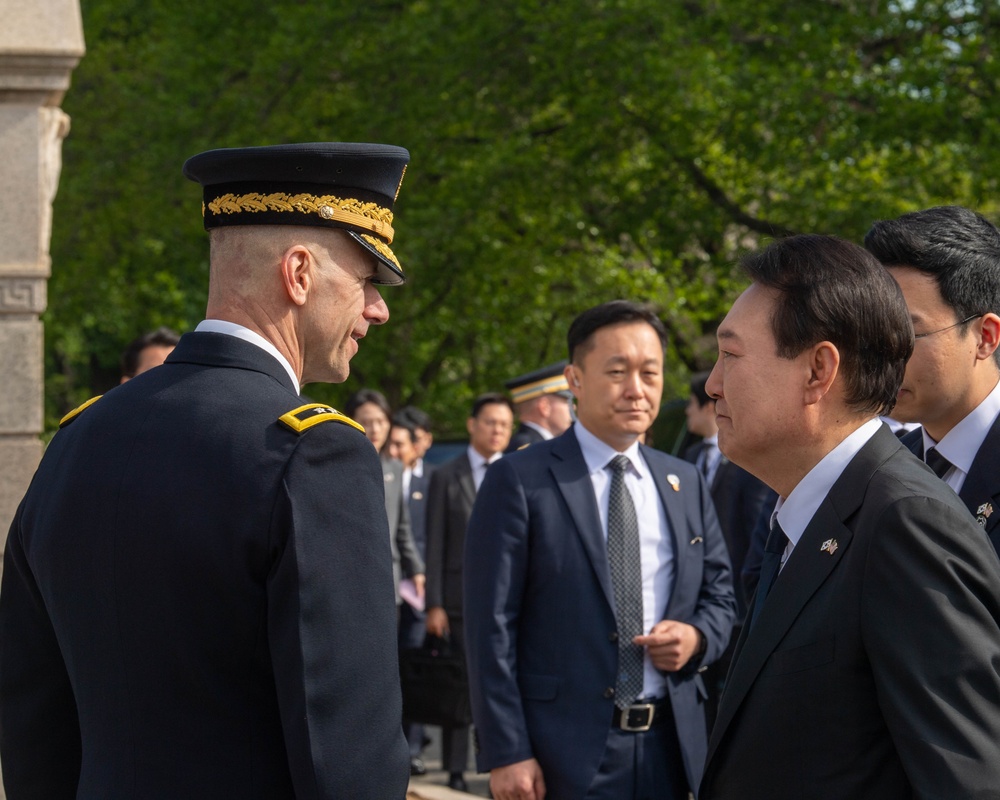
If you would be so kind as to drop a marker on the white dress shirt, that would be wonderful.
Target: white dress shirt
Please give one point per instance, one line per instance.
(479, 464)
(656, 552)
(796, 511)
(710, 458)
(961, 444)
(247, 335)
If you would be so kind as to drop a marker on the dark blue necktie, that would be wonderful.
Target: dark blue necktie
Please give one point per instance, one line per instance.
(938, 462)
(774, 549)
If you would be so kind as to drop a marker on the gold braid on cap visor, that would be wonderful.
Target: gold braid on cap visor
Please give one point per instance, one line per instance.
(369, 216)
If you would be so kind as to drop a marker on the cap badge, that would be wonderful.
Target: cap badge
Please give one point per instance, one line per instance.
(829, 546)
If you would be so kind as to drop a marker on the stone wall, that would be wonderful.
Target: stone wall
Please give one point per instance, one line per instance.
(41, 42)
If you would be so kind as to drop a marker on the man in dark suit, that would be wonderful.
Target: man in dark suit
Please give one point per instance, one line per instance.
(452, 494)
(947, 262)
(415, 481)
(542, 404)
(197, 589)
(868, 666)
(596, 586)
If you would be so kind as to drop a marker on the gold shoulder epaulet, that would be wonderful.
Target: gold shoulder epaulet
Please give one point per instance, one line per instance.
(304, 417)
(72, 415)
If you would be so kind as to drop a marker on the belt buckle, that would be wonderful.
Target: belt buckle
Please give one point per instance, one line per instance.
(648, 709)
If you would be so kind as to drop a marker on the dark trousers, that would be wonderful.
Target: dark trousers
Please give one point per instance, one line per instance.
(455, 740)
(641, 766)
(411, 635)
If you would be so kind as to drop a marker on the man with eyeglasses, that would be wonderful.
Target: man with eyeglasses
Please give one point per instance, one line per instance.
(947, 262)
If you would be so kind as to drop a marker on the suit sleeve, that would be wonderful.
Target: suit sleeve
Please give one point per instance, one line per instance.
(331, 622)
(715, 611)
(437, 518)
(39, 729)
(931, 602)
(496, 561)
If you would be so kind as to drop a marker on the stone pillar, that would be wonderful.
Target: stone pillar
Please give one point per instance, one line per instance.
(41, 42)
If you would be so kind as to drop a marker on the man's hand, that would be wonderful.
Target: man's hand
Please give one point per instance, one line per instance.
(670, 644)
(419, 582)
(520, 781)
(437, 622)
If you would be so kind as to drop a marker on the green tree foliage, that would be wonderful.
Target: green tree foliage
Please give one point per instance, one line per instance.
(563, 154)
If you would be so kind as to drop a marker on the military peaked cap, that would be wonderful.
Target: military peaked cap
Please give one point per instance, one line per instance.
(326, 184)
(547, 380)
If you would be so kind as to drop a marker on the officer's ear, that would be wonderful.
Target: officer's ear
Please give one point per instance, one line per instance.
(296, 268)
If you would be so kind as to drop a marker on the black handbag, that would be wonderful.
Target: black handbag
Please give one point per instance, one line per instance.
(435, 685)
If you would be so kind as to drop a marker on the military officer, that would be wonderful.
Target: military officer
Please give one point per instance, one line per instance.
(542, 402)
(197, 593)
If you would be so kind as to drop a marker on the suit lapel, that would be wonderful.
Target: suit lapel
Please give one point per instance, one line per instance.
(808, 567)
(465, 479)
(673, 505)
(982, 484)
(570, 472)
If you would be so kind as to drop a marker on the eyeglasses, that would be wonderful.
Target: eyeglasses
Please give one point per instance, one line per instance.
(942, 330)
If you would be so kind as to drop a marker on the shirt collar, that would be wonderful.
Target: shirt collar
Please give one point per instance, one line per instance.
(247, 335)
(796, 511)
(477, 461)
(961, 444)
(597, 453)
(545, 433)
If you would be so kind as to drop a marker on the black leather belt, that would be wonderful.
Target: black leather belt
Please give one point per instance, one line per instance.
(641, 716)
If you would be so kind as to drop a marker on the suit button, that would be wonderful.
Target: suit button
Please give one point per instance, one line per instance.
(609, 692)
(613, 636)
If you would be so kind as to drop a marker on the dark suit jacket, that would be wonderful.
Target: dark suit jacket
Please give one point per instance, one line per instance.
(871, 671)
(540, 623)
(197, 600)
(405, 558)
(449, 504)
(982, 484)
(739, 498)
(523, 436)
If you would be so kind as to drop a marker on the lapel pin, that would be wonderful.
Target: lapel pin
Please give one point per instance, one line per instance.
(829, 546)
(696, 540)
(674, 481)
(983, 512)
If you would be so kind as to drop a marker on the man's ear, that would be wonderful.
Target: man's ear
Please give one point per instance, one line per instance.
(824, 366)
(989, 336)
(296, 270)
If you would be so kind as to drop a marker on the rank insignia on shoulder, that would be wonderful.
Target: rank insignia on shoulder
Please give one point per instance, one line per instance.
(304, 417)
(72, 415)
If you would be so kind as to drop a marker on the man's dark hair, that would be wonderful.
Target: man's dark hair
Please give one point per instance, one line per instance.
(362, 396)
(698, 382)
(583, 328)
(488, 399)
(161, 337)
(420, 418)
(407, 423)
(959, 248)
(833, 290)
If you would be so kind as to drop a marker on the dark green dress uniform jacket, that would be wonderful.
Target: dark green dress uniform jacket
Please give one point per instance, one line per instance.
(197, 599)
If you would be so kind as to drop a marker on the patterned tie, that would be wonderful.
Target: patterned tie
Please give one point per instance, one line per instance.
(774, 549)
(626, 576)
(938, 462)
